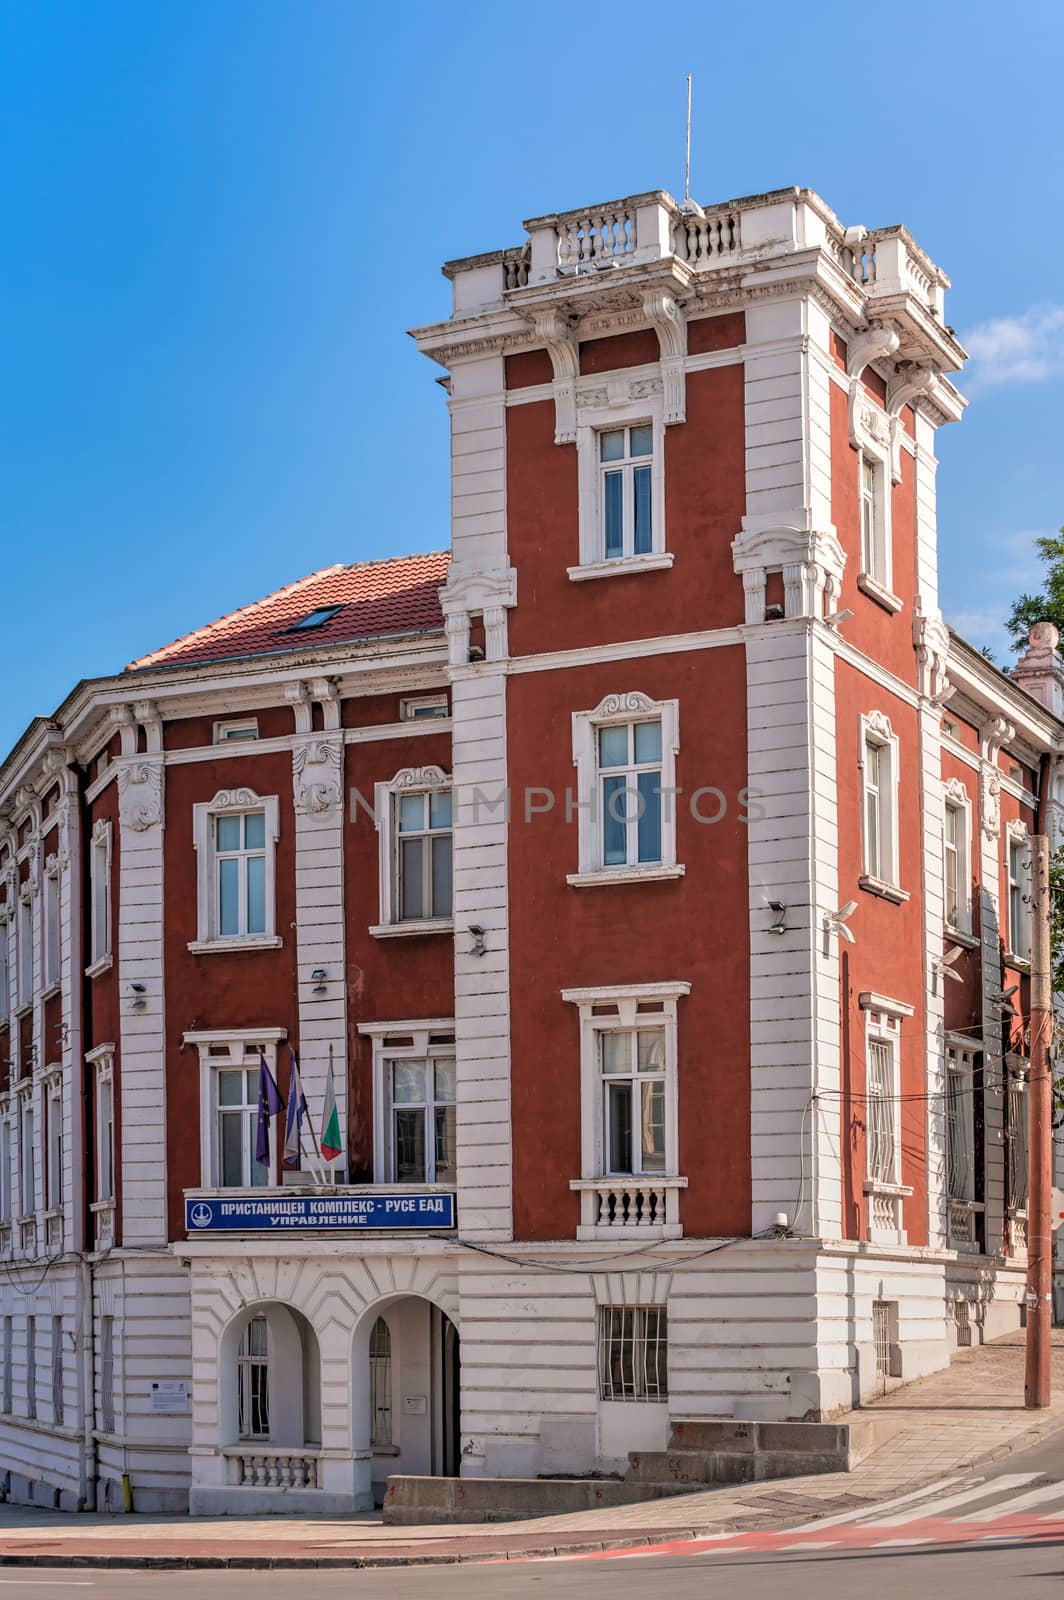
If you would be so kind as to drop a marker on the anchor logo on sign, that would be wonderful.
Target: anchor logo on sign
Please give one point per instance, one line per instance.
(200, 1215)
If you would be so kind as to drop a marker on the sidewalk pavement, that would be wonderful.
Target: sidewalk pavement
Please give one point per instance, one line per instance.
(947, 1423)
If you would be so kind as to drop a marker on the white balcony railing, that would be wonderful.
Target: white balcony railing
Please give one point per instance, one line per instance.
(961, 1221)
(639, 1205)
(255, 1467)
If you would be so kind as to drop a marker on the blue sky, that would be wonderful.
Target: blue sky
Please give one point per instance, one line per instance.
(220, 220)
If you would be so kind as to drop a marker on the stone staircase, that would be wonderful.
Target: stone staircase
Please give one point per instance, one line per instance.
(703, 1451)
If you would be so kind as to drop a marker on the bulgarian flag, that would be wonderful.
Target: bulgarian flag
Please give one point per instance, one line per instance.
(331, 1141)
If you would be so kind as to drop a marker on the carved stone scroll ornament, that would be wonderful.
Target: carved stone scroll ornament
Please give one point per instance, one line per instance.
(669, 321)
(554, 331)
(140, 795)
(317, 776)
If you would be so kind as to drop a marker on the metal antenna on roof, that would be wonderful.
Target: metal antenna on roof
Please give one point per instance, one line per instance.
(687, 152)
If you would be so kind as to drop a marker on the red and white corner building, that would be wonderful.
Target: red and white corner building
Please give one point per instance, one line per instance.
(651, 867)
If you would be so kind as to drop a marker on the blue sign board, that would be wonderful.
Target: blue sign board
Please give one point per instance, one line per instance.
(277, 1212)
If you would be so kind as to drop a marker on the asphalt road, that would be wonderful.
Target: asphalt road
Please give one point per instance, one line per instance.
(1023, 1572)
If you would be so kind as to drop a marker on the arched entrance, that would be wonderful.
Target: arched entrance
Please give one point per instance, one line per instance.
(406, 1392)
(270, 1399)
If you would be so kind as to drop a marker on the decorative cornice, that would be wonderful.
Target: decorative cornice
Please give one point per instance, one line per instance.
(234, 800)
(420, 778)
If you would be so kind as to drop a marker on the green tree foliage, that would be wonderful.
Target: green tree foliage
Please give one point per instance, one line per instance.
(1047, 606)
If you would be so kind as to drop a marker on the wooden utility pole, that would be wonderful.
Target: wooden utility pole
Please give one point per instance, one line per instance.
(1040, 1143)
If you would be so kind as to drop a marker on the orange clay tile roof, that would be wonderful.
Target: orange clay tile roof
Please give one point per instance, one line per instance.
(376, 598)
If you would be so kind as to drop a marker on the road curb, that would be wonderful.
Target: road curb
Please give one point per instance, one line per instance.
(264, 1563)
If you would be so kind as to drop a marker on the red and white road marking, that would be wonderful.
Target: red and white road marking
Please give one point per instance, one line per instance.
(919, 1518)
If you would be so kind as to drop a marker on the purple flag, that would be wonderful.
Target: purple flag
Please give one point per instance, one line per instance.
(270, 1105)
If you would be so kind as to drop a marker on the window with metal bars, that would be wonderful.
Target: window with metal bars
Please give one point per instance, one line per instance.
(882, 1141)
(253, 1373)
(960, 1141)
(633, 1353)
(57, 1371)
(31, 1367)
(380, 1383)
(107, 1374)
(1017, 1137)
(9, 1363)
(882, 1335)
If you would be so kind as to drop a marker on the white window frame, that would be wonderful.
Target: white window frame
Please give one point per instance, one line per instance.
(232, 803)
(102, 1060)
(642, 1005)
(591, 422)
(6, 928)
(875, 729)
(6, 1171)
(53, 1119)
(51, 933)
(239, 730)
(956, 800)
(222, 1049)
(877, 578)
(883, 1026)
(25, 948)
(960, 1110)
(100, 897)
(1018, 890)
(247, 1363)
(617, 710)
(424, 708)
(7, 1393)
(386, 796)
(108, 1390)
(419, 1031)
(27, 1158)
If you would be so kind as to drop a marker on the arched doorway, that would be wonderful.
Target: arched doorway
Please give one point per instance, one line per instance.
(270, 1399)
(406, 1392)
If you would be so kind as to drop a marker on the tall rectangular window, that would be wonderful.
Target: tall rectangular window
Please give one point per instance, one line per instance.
(882, 1138)
(107, 1374)
(105, 1134)
(5, 972)
(633, 1353)
(254, 1380)
(630, 792)
(6, 1399)
(423, 1109)
(873, 808)
(27, 1161)
(960, 1125)
(1020, 898)
(870, 518)
(236, 1110)
(31, 1367)
(632, 1065)
(100, 893)
(25, 952)
(955, 865)
(423, 854)
(626, 464)
(55, 1146)
(5, 1170)
(1018, 1138)
(57, 1371)
(879, 784)
(51, 929)
(240, 874)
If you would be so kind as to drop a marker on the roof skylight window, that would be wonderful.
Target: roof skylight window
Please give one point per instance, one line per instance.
(315, 619)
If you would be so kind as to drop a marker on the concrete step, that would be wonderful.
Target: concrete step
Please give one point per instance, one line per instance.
(709, 1450)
